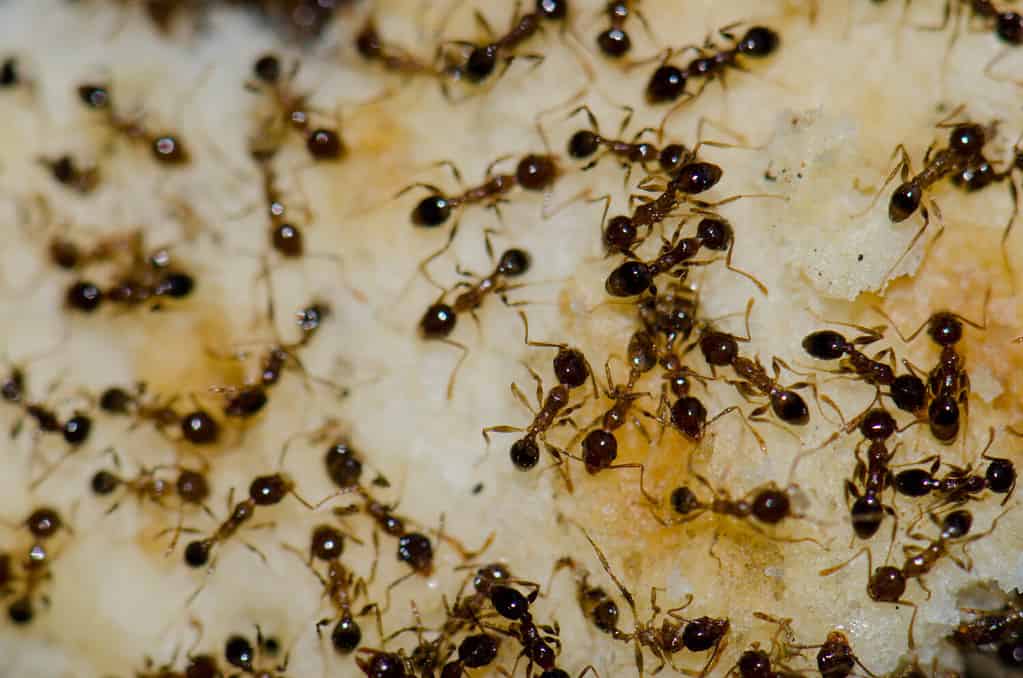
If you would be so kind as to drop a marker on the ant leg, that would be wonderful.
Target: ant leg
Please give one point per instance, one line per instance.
(1014, 194)
(903, 167)
(521, 398)
(500, 429)
(419, 184)
(827, 572)
(749, 276)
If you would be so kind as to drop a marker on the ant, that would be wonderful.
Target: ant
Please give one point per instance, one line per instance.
(65, 170)
(887, 583)
(867, 511)
(614, 41)
(571, 370)
(636, 276)
(671, 313)
(1007, 24)
(959, 485)
(197, 427)
(36, 570)
(285, 237)
(340, 585)
(166, 147)
(675, 633)
(414, 548)
(291, 110)
(596, 604)
(720, 349)
(474, 652)
(757, 663)
(191, 486)
(268, 490)
(372, 47)
(439, 319)
(668, 82)
(146, 278)
(239, 652)
(990, 626)
(381, 664)
(907, 391)
(478, 61)
(948, 384)
(962, 154)
(836, 658)
(585, 143)
(539, 642)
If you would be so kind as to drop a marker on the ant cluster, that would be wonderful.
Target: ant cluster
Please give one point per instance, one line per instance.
(685, 374)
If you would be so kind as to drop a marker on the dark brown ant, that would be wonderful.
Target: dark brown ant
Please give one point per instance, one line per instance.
(240, 653)
(476, 62)
(440, 317)
(835, 658)
(66, 171)
(585, 143)
(285, 236)
(35, 571)
(571, 370)
(720, 349)
(948, 383)
(990, 626)
(539, 643)
(636, 276)
(268, 490)
(758, 663)
(10, 73)
(907, 391)
(868, 509)
(340, 586)
(167, 148)
(675, 633)
(1006, 24)
(614, 41)
(381, 664)
(668, 82)
(476, 651)
(414, 548)
(671, 313)
(291, 111)
(887, 583)
(596, 604)
(959, 485)
(396, 59)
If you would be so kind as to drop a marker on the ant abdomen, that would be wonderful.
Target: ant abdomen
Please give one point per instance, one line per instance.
(904, 202)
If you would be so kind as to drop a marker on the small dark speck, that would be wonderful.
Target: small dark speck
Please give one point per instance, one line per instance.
(859, 258)
(799, 175)
(477, 488)
(381, 481)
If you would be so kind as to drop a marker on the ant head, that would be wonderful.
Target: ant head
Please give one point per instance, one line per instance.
(514, 262)
(1009, 27)
(619, 234)
(697, 177)
(431, 211)
(771, 506)
(877, 425)
(44, 522)
(438, 321)
(759, 41)
(324, 144)
(571, 368)
(84, 296)
(673, 156)
(1000, 476)
(367, 42)
(689, 416)
(416, 550)
(104, 483)
(583, 144)
(887, 584)
(666, 84)
(9, 75)
(754, 664)
(169, 150)
(94, 96)
(287, 239)
(202, 666)
(718, 348)
(945, 329)
(326, 543)
(904, 201)
(600, 449)
(382, 664)
(684, 501)
(238, 651)
(269, 490)
(524, 453)
(614, 42)
(343, 465)
(488, 575)
(716, 234)
(197, 553)
(192, 486)
(967, 139)
(552, 9)
(267, 68)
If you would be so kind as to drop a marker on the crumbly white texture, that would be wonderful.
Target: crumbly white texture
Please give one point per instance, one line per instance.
(828, 109)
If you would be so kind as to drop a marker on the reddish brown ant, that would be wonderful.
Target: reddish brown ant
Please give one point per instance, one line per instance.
(948, 383)
(636, 276)
(585, 143)
(668, 82)
(572, 370)
(414, 548)
(35, 571)
(675, 633)
(757, 663)
(340, 586)
(595, 603)
(959, 485)
(290, 111)
(887, 583)
(990, 626)
(476, 62)
(167, 148)
(1006, 24)
(835, 658)
(439, 319)
(239, 652)
(65, 170)
(907, 391)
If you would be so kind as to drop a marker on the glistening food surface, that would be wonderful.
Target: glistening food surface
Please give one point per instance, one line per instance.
(246, 378)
